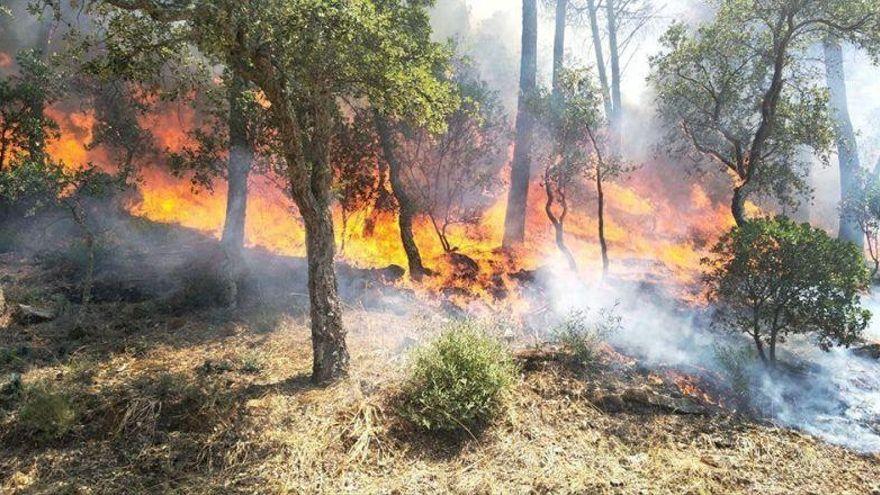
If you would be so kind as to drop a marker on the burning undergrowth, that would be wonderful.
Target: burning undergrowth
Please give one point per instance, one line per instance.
(832, 395)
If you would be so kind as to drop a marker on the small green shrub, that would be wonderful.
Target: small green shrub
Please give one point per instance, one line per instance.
(460, 382)
(46, 413)
(736, 365)
(580, 336)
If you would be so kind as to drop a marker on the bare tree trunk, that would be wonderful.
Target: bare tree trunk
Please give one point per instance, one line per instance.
(738, 206)
(406, 210)
(600, 59)
(614, 54)
(600, 193)
(79, 217)
(517, 198)
(241, 157)
(847, 148)
(330, 353)
(310, 178)
(558, 222)
(559, 45)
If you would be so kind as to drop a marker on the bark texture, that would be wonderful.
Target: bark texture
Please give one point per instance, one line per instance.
(847, 148)
(406, 208)
(520, 170)
(241, 158)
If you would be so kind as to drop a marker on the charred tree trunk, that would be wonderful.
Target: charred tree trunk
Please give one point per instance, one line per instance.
(600, 59)
(600, 198)
(738, 206)
(330, 353)
(406, 210)
(36, 105)
(77, 211)
(241, 157)
(517, 199)
(558, 222)
(847, 148)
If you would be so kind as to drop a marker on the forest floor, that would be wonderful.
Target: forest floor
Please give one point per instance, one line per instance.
(167, 399)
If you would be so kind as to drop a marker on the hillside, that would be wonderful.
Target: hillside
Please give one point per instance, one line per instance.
(174, 399)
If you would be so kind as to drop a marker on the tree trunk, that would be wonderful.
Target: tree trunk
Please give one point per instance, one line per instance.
(36, 105)
(614, 55)
(738, 205)
(559, 45)
(600, 59)
(330, 354)
(517, 198)
(406, 210)
(759, 346)
(847, 148)
(558, 222)
(600, 193)
(241, 157)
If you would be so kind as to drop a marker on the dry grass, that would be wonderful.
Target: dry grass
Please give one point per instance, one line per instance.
(155, 418)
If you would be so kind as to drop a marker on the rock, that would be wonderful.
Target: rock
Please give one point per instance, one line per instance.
(671, 404)
(26, 314)
(464, 266)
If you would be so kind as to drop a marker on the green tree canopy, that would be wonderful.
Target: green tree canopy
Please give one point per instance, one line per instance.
(771, 278)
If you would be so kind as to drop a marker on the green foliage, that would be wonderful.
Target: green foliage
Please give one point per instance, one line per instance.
(47, 413)
(460, 382)
(772, 278)
(736, 364)
(580, 337)
(863, 207)
(742, 93)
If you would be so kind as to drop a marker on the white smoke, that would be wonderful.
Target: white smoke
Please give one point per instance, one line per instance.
(834, 395)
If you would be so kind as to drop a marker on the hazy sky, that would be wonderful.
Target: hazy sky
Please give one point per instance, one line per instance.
(863, 79)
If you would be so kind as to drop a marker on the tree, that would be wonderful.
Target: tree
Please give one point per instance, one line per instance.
(625, 20)
(233, 144)
(847, 147)
(520, 169)
(861, 207)
(580, 149)
(450, 174)
(309, 57)
(771, 278)
(30, 180)
(406, 207)
(24, 129)
(739, 93)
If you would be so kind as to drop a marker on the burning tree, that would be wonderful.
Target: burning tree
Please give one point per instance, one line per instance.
(30, 180)
(450, 171)
(771, 278)
(580, 148)
(740, 92)
(307, 57)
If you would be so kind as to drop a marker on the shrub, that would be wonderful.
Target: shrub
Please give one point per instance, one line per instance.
(459, 382)
(736, 366)
(580, 337)
(47, 413)
(771, 278)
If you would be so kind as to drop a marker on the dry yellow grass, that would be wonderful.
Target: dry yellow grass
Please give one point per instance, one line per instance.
(271, 431)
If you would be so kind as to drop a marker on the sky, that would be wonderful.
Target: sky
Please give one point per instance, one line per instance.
(863, 78)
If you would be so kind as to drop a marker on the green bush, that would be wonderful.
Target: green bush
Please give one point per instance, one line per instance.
(772, 278)
(580, 336)
(736, 365)
(460, 382)
(46, 413)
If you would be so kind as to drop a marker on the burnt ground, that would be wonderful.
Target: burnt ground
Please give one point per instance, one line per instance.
(173, 395)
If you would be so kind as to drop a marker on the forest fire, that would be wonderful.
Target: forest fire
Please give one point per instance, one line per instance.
(651, 237)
